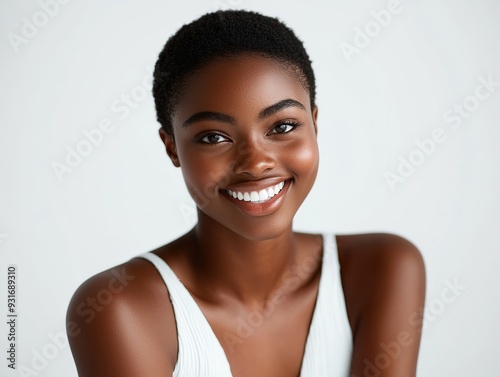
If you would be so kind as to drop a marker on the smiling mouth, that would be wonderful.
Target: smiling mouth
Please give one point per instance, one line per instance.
(258, 197)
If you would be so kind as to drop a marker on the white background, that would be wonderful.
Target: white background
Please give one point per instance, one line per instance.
(126, 198)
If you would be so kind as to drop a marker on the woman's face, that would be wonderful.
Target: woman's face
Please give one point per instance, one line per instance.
(244, 127)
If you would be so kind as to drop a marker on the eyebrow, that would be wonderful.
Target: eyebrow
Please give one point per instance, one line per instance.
(268, 111)
(209, 115)
(220, 117)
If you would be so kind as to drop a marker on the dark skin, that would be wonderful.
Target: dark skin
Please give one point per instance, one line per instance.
(234, 260)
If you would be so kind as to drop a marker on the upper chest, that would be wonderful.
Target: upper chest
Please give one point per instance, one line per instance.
(268, 339)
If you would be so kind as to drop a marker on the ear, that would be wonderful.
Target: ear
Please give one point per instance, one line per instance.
(169, 142)
(315, 117)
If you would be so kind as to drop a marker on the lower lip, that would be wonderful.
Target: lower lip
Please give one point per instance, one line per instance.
(260, 209)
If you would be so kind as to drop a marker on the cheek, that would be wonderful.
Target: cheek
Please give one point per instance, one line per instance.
(203, 176)
(305, 157)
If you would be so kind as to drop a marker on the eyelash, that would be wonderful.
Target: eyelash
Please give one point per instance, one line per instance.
(290, 122)
(295, 124)
(199, 138)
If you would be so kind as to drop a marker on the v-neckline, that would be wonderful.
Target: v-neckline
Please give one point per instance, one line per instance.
(215, 340)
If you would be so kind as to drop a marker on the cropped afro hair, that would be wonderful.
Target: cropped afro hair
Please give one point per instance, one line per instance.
(223, 34)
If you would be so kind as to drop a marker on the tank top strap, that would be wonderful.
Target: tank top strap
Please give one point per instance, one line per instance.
(197, 344)
(329, 345)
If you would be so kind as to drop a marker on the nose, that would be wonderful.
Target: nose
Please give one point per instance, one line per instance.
(253, 158)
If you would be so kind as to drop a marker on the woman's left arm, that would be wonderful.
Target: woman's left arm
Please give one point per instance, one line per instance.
(388, 330)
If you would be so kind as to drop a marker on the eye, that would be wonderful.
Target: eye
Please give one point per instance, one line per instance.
(210, 138)
(285, 127)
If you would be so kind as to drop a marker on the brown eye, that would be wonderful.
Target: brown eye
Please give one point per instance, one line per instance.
(284, 128)
(210, 138)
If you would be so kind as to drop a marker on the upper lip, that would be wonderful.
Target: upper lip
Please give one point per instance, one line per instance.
(257, 185)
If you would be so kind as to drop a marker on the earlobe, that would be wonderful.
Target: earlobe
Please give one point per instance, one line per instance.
(170, 147)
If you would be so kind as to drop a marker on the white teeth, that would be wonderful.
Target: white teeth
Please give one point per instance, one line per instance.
(263, 195)
(257, 197)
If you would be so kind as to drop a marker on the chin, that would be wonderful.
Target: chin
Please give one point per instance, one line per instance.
(261, 228)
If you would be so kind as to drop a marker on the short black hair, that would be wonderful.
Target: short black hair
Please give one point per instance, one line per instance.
(223, 34)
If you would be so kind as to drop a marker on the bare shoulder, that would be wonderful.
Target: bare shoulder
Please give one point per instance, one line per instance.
(114, 321)
(373, 255)
(383, 277)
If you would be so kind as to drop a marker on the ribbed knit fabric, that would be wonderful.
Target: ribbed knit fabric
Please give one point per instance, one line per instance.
(329, 343)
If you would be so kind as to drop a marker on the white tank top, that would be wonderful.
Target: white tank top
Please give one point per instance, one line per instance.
(329, 342)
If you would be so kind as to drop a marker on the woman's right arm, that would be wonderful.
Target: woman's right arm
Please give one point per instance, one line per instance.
(121, 323)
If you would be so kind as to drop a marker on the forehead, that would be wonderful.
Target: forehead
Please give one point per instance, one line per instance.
(240, 86)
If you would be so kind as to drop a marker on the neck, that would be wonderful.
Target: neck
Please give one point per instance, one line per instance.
(247, 270)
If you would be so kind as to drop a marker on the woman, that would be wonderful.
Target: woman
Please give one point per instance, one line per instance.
(242, 294)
